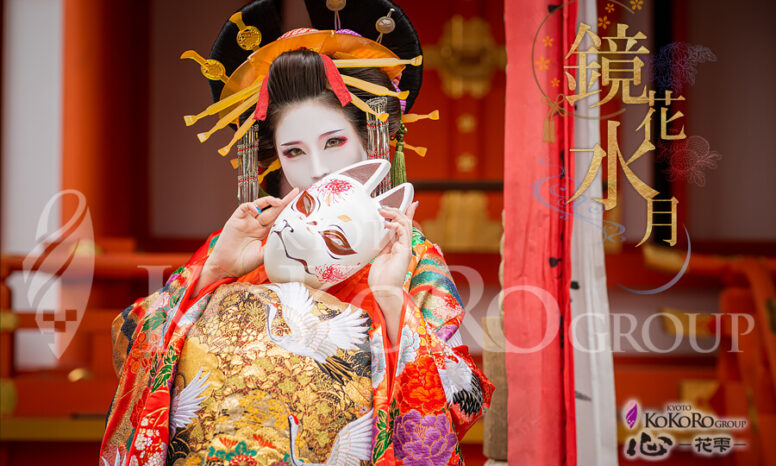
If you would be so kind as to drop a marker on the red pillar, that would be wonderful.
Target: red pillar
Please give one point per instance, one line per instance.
(104, 127)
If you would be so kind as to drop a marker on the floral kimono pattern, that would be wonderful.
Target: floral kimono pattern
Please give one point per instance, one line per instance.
(425, 390)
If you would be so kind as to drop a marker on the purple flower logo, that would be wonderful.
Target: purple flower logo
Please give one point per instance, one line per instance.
(426, 440)
(632, 415)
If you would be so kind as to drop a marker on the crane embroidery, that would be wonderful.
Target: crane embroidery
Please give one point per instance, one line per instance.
(352, 445)
(312, 337)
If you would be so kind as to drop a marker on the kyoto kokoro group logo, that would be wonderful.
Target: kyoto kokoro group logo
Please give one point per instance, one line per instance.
(655, 434)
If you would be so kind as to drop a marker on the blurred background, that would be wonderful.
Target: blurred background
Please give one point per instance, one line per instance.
(93, 94)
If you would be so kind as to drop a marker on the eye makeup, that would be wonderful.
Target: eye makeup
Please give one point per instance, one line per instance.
(293, 152)
(330, 144)
(336, 142)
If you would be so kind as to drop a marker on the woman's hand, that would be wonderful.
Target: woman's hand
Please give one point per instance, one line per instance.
(239, 248)
(389, 269)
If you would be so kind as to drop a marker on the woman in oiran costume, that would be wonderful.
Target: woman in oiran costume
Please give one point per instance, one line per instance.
(202, 376)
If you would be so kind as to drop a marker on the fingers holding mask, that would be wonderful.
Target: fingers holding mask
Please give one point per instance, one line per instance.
(268, 210)
(400, 223)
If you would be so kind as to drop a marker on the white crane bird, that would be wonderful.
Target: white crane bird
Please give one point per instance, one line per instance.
(312, 337)
(352, 445)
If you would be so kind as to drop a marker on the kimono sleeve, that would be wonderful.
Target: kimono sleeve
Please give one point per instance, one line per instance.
(435, 372)
(124, 329)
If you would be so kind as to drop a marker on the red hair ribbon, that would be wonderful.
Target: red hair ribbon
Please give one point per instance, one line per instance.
(332, 75)
(335, 80)
(261, 107)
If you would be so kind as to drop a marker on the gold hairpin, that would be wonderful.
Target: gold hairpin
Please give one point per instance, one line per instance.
(366, 108)
(244, 127)
(372, 88)
(413, 117)
(421, 151)
(249, 37)
(230, 117)
(377, 62)
(275, 165)
(223, 104)
(211, 69)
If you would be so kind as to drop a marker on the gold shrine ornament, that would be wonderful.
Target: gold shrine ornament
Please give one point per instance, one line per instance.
(466, 57)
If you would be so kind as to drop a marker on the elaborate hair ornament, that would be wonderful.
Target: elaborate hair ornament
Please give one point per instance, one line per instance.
(257, 94)
(241, 61)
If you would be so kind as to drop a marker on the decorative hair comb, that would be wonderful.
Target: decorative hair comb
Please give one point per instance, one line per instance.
(243, 84)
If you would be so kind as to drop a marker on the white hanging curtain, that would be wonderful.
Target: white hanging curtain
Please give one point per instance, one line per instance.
(593, 370)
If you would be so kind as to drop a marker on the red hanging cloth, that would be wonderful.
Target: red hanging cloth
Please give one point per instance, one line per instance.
(537, 225)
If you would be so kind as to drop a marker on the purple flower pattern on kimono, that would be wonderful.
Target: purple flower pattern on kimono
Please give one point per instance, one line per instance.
(424, 440)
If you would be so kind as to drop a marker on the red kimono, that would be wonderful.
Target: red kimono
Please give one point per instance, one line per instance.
(425, 390)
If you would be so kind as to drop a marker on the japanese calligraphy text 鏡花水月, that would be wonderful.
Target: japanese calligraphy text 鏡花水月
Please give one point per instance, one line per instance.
(620, 69)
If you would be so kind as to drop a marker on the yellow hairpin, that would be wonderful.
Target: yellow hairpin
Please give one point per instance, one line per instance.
(377, 62)
(272, 167)
(244, 127)
(372, 88)
(230, 117)
(223, 104)
(366, 108)
(211, 69)
(249, 37)
(275, 165)
(413, 117)
(421, 151)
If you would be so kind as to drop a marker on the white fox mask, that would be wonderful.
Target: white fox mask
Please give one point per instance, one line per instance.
(333, 228)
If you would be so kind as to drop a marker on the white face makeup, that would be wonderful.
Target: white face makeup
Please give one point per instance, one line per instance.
(313, 140)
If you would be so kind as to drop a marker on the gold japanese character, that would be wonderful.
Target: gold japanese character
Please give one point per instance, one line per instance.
(664, 125)
(651, 212)
(587, 69)
(613, 154)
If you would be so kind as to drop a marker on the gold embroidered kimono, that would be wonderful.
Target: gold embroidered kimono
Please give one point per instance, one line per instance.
(226, 377)
(239, 390)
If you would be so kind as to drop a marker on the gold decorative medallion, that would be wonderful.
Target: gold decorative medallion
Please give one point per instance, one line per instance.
(466, 57)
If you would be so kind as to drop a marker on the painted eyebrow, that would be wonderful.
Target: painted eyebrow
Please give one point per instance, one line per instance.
(291, 143)
(328, 133)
